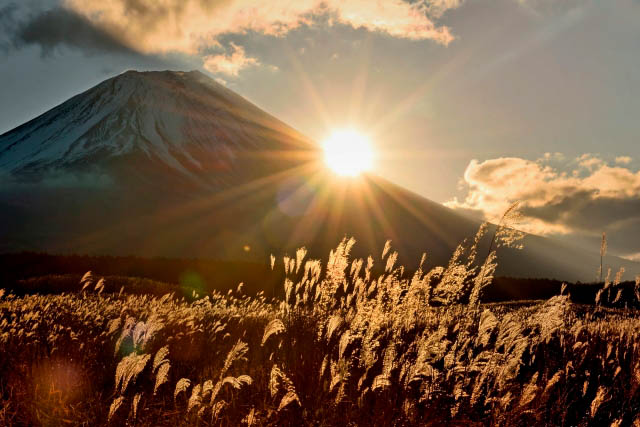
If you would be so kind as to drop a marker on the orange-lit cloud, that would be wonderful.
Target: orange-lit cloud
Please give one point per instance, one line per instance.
(574, 197)
(590, 161)
(623, 160)
(188, 26)
(230, 64)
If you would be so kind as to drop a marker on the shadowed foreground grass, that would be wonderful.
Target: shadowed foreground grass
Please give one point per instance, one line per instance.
(342, 348)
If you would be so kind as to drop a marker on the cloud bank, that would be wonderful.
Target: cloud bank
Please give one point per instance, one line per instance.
(582, 196)
(188, 26)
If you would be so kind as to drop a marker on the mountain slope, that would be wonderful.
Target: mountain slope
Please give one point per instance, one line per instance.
(174, 164)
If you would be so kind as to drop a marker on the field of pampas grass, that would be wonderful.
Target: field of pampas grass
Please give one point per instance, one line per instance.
(345, 346)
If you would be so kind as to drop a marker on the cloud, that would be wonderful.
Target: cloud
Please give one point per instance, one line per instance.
(581, 197)
(634, 257)
(623, 160)
(589, 161)
(189, 26)
(57, 27)
(231, 64)
(554, 156)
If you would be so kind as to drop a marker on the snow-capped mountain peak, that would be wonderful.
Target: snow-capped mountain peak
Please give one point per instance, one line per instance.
(184, 120)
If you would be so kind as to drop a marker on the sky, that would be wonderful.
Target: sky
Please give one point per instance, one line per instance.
(471, 103)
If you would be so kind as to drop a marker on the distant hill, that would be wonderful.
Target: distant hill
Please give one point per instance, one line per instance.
(29, 273)
(174, 164)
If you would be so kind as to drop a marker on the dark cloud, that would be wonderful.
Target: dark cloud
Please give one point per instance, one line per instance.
(60, 27)
(583, 213)
(8, 26)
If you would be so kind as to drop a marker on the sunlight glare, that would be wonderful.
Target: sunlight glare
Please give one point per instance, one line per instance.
(348, 153)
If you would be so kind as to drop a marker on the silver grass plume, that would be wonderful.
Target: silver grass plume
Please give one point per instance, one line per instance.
(196, 399)
(385, 250)
(237, 352)
(598, 400)
(86, 280)
(135, 403)
(115, 405)
(129, 368)
(182, 385)
(300, 254)
(273, 328)
(162, 376)
(161, 357)
(505, 233)
(603, 253)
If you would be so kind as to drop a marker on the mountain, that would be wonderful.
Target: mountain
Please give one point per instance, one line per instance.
(174, 164)
(182, 124)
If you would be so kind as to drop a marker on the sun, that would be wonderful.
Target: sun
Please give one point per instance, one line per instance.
(348, 153)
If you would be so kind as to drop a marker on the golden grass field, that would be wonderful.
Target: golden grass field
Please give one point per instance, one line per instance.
(344, 346)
